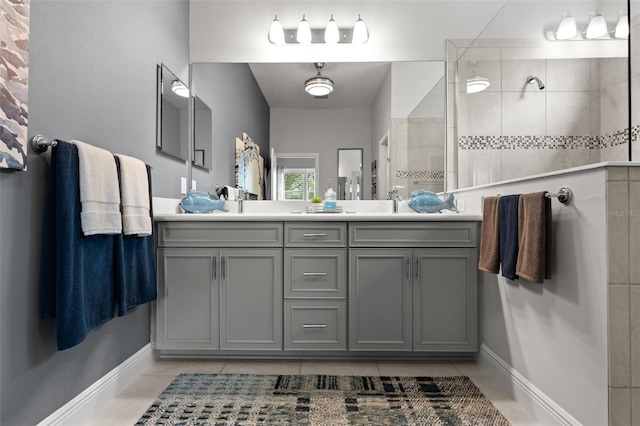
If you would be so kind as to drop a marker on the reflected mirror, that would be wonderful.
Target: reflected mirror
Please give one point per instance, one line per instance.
(172, 114)
(349, 174)
(202, 134)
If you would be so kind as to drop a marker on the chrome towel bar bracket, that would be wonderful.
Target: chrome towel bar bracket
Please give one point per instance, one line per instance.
(40, 144)
(564, 195)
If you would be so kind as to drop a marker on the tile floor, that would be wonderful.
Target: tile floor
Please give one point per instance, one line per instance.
(127, 408)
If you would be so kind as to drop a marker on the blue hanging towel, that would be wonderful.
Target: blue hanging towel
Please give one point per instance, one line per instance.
(77, 272)
(136, 283)
(509, 235)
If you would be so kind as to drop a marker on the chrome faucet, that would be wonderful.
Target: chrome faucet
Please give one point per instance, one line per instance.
(395, 196)
(240, 199)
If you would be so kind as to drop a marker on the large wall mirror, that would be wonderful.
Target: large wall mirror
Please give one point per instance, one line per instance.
(172, 136)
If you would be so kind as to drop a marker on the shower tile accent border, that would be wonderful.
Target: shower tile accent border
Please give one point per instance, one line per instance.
(619, 137)
(420, 174)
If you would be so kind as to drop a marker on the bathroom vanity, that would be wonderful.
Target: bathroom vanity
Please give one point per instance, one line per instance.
(301, 285)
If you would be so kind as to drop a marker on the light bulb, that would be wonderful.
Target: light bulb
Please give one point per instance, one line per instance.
(331, 32)
(360, 33)
(276, 32)
(567, 28)
(597, 26)
(304, 32)
(622, 27)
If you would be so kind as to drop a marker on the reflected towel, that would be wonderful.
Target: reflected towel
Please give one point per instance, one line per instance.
(77, 272)
(509, 235)
(99, 191)
(136, 283)
(534, 237)
(134, 191)
(489, 259)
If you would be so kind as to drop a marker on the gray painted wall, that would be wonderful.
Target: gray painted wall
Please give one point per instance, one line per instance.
(92, 77)
(238, 106)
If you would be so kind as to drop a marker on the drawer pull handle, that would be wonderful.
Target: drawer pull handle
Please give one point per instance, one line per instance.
(314, 235)
(314, 325)
(314, 274)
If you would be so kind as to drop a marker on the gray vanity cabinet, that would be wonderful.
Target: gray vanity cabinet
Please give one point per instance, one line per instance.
(445, 300)
(188, 299)
(380, 296)
(418, 294)
(219, 298)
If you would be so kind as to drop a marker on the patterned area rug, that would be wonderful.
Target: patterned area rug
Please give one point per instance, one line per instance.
(240, 399)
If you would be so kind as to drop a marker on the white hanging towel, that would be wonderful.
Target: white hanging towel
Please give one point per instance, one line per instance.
(99, 192)
(134, 188)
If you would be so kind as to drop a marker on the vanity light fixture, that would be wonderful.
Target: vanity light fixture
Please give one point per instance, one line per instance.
(179, 88)
(318, 85)
(331, 34)
(597, 26)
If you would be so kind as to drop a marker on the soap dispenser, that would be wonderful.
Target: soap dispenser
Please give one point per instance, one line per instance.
(330, 198)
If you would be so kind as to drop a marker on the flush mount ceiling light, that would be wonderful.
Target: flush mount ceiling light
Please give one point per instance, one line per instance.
(179, 88)
(330, 34)
(318, 85)
(597, 26)
(477, 84)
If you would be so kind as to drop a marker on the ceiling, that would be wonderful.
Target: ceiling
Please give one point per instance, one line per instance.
(355, 84)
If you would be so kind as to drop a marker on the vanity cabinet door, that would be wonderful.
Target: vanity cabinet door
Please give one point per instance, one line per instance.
(445, 315)
(380, 299)
(251, 299)
(187, 306)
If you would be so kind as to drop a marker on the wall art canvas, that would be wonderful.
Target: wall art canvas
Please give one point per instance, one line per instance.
(14, 71)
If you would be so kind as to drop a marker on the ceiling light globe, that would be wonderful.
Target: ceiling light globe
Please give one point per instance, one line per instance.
(276, 32)
(331, 32)
(303, 34)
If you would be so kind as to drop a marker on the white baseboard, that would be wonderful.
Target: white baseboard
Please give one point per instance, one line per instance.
(90, 401)
(544, 409)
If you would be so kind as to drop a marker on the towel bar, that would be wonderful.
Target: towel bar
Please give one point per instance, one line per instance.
(40, 144)
(564, 195)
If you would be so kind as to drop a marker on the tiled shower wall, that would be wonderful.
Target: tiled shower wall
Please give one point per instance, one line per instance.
(417, 154)
(513, 129)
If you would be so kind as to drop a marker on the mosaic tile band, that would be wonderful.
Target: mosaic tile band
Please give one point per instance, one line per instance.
(420, 174)
(549, 142)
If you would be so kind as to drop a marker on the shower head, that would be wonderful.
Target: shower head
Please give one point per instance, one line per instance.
(532, 78)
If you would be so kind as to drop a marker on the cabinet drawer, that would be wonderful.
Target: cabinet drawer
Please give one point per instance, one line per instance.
(315, 325)
(220, 234)
(413, 234)
(310, 273)
(323, 234)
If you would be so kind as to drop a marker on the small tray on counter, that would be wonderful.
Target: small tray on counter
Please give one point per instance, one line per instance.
(320, 209)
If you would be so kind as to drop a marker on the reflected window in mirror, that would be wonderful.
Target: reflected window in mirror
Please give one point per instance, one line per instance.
(202, 134)
(294, 176)
(350, 174)
(172, 114)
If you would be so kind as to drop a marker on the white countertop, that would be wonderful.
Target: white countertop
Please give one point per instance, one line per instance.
(318, 217)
